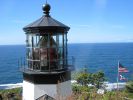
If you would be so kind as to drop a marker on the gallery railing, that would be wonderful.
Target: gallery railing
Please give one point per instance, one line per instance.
(46, 66)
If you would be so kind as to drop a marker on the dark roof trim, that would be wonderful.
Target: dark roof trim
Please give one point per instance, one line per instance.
(46, 24)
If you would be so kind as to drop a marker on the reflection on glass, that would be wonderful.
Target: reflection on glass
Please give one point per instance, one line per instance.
(47, 52)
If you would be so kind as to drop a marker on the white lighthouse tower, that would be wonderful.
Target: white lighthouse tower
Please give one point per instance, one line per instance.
(48, 70)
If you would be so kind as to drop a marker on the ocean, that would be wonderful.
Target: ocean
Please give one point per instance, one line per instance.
(95, 56)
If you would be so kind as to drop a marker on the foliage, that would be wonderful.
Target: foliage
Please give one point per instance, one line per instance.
(81, 89)
(9, 92)
(84, 78)
(92, 95)
(84, 92)
(129, 87)
(79, 93)
(129, 95)
(98, 79)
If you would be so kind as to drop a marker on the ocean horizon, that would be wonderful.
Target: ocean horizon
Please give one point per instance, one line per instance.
(95, 56)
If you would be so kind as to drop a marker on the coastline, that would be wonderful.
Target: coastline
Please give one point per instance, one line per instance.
(108, 86)
(10, 86)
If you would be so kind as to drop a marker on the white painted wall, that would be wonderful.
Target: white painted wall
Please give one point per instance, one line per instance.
(64, 90)
(40, 90)
(33, 91)
(28, 91)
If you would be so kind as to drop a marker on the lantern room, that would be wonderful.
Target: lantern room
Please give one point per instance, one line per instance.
(46, 43)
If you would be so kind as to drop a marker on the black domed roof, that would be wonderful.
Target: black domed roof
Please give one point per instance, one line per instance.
(46, 24)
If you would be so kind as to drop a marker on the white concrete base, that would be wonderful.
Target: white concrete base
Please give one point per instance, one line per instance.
(34, 91)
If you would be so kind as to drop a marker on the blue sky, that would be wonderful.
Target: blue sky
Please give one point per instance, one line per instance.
(91, 21)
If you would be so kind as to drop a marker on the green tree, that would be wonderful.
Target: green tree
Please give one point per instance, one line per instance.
(98, 79)
(83, 77)
(129, 87)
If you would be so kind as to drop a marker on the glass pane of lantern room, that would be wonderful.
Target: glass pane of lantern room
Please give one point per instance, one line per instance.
(60, 40)
(53, 42)
(57, 45)
(43, 44)
(34, 41)
(53, 52)
(65, 49)
(30, 57)
(61, 50)
(29, 40)
(55, 48)
(37, 39)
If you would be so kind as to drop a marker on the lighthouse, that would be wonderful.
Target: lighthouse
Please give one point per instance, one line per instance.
(47, 72)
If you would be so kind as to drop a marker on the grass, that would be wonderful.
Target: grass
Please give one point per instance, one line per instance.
(11, 93)
(90, 93)
(84, 94)
(107, 96)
